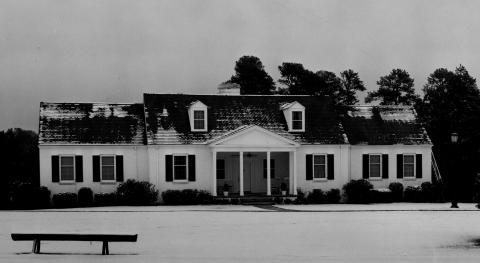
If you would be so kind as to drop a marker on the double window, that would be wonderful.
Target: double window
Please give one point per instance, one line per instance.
(107, 165)
(180, 168)
(297, 120)
(67, 168)
(375, 166)
(319, 166)
(409, 165)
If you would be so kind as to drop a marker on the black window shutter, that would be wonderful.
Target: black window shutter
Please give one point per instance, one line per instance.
(309, 166)
(55, 169)
(272, 168)
(418, 163)
(365, 168)
(96, 168)
(169, 168)
(385, 166)
(78, 168)
(399, 165)
(119, 167)
(264, 168)
(191, 168)
(331, 168)
(220, 169)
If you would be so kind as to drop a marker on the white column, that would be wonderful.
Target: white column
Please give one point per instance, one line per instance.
(295, 172)
(241, 173)
(269, 187)
(214, 167)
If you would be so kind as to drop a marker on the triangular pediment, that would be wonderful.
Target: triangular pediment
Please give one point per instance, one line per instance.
(253, 136)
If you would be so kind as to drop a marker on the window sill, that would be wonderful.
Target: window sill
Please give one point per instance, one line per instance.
(112, 182)
(410, 178)
(180, 182)
(66, 183)
(320, 180)
(375, 179)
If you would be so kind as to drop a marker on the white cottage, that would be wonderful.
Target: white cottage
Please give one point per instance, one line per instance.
(252, 143)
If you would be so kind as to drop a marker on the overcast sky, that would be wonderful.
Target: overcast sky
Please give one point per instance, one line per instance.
(114, 50)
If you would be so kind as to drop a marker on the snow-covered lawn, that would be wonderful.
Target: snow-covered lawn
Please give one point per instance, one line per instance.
(250, 234)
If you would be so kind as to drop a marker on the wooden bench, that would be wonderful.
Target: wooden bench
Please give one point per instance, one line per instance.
(104, 238)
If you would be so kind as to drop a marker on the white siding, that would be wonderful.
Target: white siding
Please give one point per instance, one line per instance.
(341, 167)
(203, 161)
(356, 165)
(134, 165)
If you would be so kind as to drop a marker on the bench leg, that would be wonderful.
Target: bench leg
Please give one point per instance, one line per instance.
(36, 246)
(105, 248)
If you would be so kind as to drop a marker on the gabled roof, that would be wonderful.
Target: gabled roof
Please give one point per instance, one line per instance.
(227, 113)
(250, 136)
(384, 125)
(91, 123)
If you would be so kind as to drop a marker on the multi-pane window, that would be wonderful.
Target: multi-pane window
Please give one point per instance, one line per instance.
(220, 169)
(375, 165)
(198, 120)
(180, 168)
(297, 120)
(319, 166)
(107, 164)
(67, 168)
(408, 165)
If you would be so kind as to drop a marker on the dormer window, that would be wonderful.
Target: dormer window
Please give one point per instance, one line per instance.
(197, 112)
(297, 120)
(294, 113)
(198, 120)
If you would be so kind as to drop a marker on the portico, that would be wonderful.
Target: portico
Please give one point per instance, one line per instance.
(257, 150)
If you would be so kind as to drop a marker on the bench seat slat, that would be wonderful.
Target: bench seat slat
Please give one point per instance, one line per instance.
(75, 237)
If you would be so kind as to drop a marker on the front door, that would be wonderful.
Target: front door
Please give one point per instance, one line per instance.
(252, 174)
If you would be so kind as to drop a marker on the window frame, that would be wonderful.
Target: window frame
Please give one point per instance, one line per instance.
(60, 169)
(186, 168)
(114, 168)
(326, 167)
(414, 175)
(380, 177)
(204, 120)
(302, 114)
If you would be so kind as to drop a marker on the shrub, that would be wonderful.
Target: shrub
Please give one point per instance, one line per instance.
(413, 194)
(316, 197)
(222, 201)
(65, 200)
(333, 196)
(287, 201)
(105, 199)
(134, 192)
(235, 201)
(357, 191)
(186, 197)
(42, 197)
(381, 195)
(300, 197)
(397, 191)
(204, 197)
(85, 197)
(432, 192)
(278, 200)
(28, 196)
